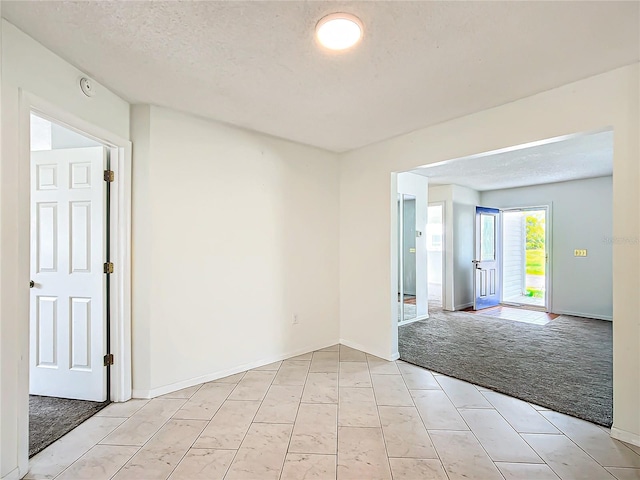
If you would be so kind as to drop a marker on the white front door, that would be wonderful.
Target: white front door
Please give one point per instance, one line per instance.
(67, 310)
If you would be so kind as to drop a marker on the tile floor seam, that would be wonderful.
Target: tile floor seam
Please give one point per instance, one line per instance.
(153, 435)
(620, 442)
(576, 444)
(163, 425)
(69, 466)
(513, 428)
(469, 426)
(384, 440)
(293, 426)
(550, 466)
(251, 423)
(207, 424)
(187, 450)
(413, 400)
(145, 443)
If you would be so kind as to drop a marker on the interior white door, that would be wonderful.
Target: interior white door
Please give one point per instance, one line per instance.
(67, 319)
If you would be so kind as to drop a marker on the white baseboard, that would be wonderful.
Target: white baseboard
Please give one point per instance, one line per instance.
(362, 348)
(463, 306)
(584, 315)
(407, 322)
(624, 436)
(173, 387)
(12, 475)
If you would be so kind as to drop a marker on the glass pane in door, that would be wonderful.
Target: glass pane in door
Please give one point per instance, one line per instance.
(488, 238)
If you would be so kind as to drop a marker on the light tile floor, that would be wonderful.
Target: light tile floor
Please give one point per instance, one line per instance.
(517, 314)
(335, 413)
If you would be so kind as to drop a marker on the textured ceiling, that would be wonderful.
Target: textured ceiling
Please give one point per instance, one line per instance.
(584, 156)
(256, 64)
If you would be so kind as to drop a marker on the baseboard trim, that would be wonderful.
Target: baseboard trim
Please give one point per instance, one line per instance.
(417, 319)
(463, 306)
(173, 387)
(362, 348)
(12, 475)
(624, 436)
(583, 315)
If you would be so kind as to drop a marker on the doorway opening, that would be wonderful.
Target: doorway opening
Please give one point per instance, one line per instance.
(69, 331)
(530, 296)
(411, 258)
(511, 260)
(407, 297)
(435, 249)
(524, 265)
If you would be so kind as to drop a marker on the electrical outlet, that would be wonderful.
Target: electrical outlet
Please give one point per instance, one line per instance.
(295, 319)
(580, 253)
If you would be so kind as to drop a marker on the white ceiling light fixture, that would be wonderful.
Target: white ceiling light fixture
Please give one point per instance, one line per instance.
(339, 31)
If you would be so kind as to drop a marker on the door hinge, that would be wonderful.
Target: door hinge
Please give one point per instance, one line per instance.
(108, 267)
(108, 359)
(109, 176)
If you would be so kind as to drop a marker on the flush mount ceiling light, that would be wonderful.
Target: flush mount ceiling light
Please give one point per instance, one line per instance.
(339, 31)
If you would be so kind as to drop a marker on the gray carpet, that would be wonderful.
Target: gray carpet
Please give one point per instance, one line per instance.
(50, 418)
(565, 365)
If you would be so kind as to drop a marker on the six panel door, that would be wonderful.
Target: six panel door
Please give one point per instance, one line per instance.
(67, 318)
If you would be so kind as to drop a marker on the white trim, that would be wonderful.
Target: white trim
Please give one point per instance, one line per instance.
(624, 436)
(411, 320)
(12, 475)
(515, 148)
(584, 315)
(548, 294)
(463, 306)
(121, 376)
(174, 387)
(121, 248)
(443, 286)
(362, 348)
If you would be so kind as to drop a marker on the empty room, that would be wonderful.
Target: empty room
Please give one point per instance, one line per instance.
(217, 221)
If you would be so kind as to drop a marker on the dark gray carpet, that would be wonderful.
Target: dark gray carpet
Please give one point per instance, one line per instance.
(50, 418)
(565, 365)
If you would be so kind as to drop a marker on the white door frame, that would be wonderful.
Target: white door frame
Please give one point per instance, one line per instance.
(442, 204)
(547, 246)
(120, 237)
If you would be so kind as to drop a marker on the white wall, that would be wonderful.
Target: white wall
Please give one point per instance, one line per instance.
(366, 197)
(581, 217)
(233, 233)
(28, 66)
(465, 201)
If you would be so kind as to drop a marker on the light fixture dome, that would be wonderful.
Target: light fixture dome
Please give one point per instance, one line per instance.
(339, 31)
